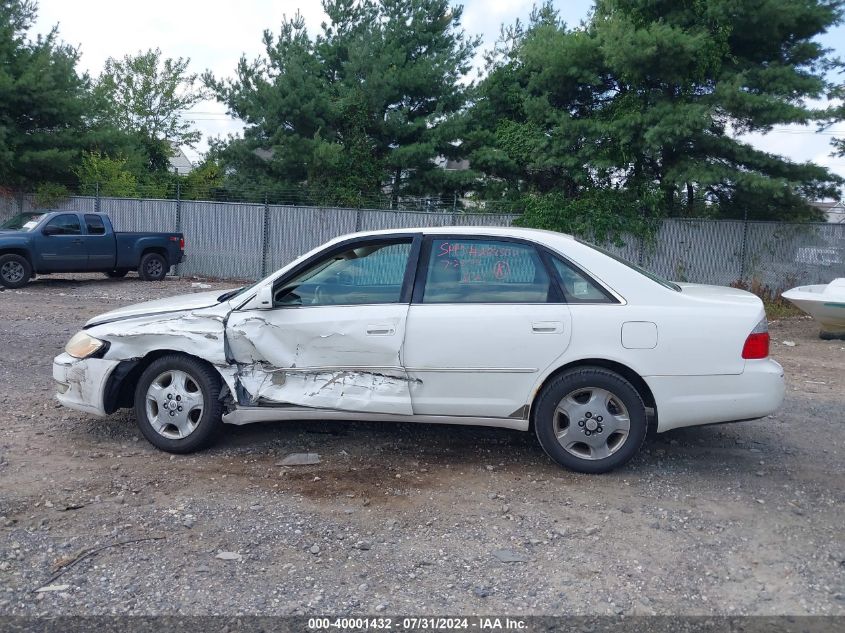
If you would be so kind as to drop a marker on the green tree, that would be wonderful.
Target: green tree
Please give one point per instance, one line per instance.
(42, 102)
(364, 106)
(838, 114)
(144, 98)
(648, 97)
(148, 95)
(50, 194)
(203, 182)
(99, 174)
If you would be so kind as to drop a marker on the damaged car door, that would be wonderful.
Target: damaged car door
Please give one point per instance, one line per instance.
(329, 333)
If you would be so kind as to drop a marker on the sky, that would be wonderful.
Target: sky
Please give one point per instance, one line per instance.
(215, 33)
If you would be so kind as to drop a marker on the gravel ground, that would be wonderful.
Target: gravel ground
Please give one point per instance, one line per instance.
(733, 519)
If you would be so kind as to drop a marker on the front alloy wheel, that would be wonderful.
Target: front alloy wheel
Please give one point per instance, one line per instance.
(590, 419)
(174, 404)
(177, 404)
(15, 271)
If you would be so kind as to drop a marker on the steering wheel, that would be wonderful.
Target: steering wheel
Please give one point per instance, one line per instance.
(322, 297)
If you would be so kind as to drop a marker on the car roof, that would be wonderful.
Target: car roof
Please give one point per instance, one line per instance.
(492, 231)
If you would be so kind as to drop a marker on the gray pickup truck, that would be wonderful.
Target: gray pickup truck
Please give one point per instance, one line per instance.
(60, 242)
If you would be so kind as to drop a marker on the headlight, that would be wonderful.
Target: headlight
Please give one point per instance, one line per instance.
(82, 345)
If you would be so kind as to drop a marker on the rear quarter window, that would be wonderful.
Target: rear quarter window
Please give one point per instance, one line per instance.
(94, 225)
(578, 287)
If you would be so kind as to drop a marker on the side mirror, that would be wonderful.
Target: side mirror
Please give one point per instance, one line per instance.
(264, 298)
(50, 230)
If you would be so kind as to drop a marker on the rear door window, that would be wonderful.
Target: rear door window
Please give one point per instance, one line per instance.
(485, 271)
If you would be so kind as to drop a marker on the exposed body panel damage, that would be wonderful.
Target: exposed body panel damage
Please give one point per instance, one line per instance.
(344, 389)
(81, 383)
(322, 364)
(310, 358)
(199, 333)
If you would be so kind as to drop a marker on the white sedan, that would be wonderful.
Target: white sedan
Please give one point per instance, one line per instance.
(505, 327)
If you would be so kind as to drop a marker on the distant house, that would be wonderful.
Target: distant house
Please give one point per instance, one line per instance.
(180, 163)
(834, 211)
(264, 154)
(450, 164)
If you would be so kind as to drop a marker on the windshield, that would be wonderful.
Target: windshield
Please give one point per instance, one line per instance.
(645, 273)
(22, 222)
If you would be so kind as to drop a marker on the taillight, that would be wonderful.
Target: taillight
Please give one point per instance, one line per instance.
(182, 243)
(757, 344)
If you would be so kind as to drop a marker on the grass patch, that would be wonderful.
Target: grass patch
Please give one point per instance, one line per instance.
(781, 310)
(776, 306)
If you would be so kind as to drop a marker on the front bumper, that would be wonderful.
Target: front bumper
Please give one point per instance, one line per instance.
(693, 400)
(81, 383)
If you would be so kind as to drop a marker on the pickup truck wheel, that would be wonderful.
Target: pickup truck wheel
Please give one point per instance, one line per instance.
(15, 271)
(153, 267)
(117, 274)
(590, 420)
(177, 404)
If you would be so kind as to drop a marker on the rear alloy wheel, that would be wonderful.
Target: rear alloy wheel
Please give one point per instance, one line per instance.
(15, 271)
(590, 420)
(117, 274)
(153, 267)
(177, 404)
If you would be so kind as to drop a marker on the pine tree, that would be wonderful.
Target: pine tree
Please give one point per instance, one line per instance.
(645, 101)
(42, 102)
(362, 107)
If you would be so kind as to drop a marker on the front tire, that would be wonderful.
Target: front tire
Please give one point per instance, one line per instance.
(177, 404)
(590, 420)
(15, 271)
(153, 267)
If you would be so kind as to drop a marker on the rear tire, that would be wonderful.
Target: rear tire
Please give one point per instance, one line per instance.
(177, 404)
(590, 420)
(15, 271)
(117, 274)
(153, 267)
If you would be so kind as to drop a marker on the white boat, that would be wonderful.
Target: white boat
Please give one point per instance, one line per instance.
(824, 302)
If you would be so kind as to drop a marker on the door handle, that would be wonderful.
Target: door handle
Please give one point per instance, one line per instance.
(381, 329)
(547, 327)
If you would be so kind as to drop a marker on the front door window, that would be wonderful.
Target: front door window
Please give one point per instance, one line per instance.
(64, 225)
(360, 275)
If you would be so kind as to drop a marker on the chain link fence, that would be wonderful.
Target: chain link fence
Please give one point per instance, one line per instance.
(231, 240)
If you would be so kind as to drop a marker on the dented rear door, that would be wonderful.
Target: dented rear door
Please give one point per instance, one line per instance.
(334, 336)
